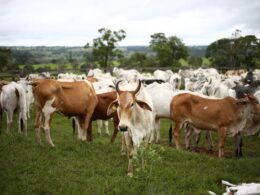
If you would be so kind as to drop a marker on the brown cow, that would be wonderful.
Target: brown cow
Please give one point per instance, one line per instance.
(226, 115)
(100, 113)
(69, 98)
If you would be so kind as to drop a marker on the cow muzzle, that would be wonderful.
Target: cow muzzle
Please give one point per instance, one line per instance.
(123, 128)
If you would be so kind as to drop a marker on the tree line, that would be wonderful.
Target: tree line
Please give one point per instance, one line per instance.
(235, 52)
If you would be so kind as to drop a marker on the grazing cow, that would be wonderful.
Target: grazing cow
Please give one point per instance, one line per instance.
(12, 99)
(134, 108)
(69, 98)
(226, 115)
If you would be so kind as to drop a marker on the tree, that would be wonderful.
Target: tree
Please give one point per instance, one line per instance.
(195, 61)
(73, 61)
(234, 52)
(5, 57)
(21, 57)
(104, 48)
(169, 50)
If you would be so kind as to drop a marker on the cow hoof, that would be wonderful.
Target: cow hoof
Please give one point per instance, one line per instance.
(130, 174)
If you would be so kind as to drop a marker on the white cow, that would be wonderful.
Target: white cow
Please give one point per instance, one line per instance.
(13, 98)
(162, 95)
(135, 111)
(29, 94)
(163, 75)
(240, 189)
(128, 75)
(70, 77)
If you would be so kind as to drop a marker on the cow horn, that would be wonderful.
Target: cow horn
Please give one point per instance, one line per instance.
(117, 87)
(138, 87)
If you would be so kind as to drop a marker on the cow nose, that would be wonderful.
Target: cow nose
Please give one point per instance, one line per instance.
(123, 128)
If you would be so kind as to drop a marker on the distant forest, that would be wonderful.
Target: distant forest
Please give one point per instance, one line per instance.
(61, 55)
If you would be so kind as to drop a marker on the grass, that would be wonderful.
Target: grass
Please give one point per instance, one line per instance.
(99, 168)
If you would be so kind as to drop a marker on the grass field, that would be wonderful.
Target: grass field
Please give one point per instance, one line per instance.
(99, 168)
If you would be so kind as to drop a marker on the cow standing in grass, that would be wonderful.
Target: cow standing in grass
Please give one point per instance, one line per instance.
(68, 98)
(134, 107)
(226, 115)
(13, 99)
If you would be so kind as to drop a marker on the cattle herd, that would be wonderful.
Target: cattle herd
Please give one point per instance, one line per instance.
(194, 100)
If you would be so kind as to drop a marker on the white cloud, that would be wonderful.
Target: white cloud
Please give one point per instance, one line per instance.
(75, 22)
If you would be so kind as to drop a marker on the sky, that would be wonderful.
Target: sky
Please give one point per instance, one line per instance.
(76, 22)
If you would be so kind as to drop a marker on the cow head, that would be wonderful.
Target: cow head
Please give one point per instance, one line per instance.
(126, 106)
(252, 108)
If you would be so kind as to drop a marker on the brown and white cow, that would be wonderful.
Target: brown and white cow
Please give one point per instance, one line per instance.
(134, 107)
(68, 98)
(226, 115)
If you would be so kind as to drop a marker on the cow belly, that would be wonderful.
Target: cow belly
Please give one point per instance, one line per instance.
(203, 125)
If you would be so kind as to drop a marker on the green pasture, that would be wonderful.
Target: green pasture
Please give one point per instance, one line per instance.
(73, 167)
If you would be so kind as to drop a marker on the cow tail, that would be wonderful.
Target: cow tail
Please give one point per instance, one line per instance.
(170, 134)
(17, 94)
(21, 99)
(22, 124)
(73, 126)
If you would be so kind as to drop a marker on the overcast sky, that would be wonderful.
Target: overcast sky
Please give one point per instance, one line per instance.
(75, 22)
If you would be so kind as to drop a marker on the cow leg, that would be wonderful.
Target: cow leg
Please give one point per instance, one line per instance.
(48, 111)
(106, 127)
(123, 145)
(38, 124)
(99, 126)
(90, 130)
(188, 132)
(116, 122)
(176, 134)
(238, 145)
(28, 109)
(221, 143)
(130, 153)
(46, 127)
(76, 126)
(209, 141)
(157, 130)
(22, 123)
(87, 123)
(9, 117)
(81, 125)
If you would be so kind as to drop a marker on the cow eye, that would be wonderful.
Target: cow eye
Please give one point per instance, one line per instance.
(132, 104)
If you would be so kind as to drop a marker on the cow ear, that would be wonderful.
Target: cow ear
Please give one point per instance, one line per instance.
(112, 107)
(143, 105)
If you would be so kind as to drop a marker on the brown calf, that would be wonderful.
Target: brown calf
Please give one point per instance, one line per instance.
(69, 98)
(100, 113)
(226, 115)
